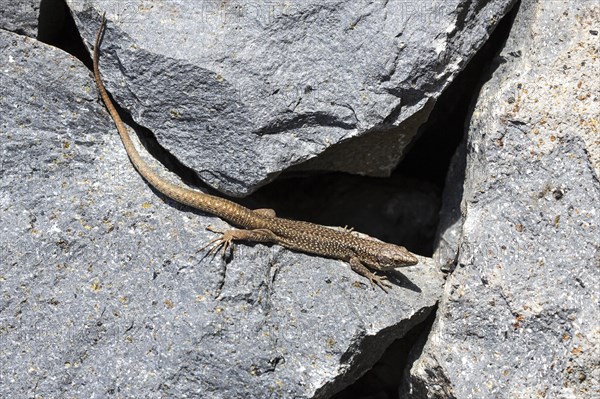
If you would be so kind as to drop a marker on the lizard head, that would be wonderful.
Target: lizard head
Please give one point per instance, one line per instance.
(383, 256)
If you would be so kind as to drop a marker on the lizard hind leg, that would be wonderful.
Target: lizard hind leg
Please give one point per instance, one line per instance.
(225, 241)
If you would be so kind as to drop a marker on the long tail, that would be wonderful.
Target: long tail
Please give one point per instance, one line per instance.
(204, 202)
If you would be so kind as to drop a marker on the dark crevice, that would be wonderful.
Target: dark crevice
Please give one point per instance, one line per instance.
(382, 381)
(57, 28)
(439, 137)
(429, 160)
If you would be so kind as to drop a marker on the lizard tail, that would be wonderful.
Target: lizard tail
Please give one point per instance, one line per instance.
(204, 202)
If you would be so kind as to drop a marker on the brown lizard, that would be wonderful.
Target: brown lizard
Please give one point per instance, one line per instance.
(262, 225)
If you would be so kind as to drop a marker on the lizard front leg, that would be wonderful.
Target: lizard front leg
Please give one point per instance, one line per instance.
(380, 281)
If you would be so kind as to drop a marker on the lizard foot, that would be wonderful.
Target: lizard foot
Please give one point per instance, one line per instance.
(380, 281)
(223, 242)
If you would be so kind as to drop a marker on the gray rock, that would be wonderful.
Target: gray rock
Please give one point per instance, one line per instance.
(520, 313)
(20, 16)
(240, 92)
(103, 292)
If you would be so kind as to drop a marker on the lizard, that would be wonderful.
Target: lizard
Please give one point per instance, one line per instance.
(364, 254)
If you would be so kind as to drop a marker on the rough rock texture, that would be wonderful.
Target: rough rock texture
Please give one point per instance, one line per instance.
(20, 16)
(240, 91)
(521, 314)
(103, 294)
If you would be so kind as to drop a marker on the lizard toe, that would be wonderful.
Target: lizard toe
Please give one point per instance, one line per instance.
(380, 281)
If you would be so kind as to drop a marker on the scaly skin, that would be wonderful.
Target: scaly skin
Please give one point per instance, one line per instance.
(262, 225)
